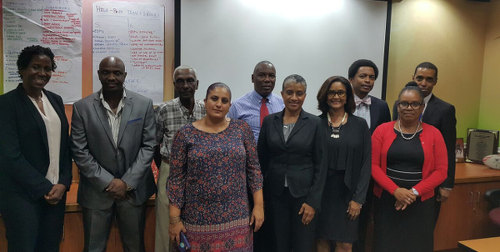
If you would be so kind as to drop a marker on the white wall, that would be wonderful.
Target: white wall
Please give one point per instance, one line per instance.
(224, 39)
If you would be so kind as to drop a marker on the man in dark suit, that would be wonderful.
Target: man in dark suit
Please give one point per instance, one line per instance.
(441, 115)
(113, 136)
(362, 75)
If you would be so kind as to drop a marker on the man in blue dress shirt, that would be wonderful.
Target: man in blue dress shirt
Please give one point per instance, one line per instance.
(252, 105)
(252, 108)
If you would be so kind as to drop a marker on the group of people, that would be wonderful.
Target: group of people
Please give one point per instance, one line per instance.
(257, 173)
(112, 142)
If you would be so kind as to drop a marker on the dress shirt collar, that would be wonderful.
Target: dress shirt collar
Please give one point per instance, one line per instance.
(120, 104)
(185, 111)
(426, 100)
(101, 96)
(257, 98)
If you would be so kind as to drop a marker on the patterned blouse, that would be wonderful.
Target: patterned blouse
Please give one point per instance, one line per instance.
(210, 176)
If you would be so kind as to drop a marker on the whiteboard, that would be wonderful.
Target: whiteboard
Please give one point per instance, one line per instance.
(224, 39)
(52, 23)
(134, 32)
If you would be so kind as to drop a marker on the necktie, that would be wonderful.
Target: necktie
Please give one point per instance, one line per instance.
(263, 110)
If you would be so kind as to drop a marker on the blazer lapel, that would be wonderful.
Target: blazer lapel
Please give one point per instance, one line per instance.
(429, 110)
(299, 124)
(103, 118)
(60, 113)
(373, 116)
(278, 125)
(127, 111)
(30, 107)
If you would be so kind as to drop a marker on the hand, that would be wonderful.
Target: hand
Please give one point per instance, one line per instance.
(307, 213)
(174, 231)
(443, 194)
(117, 188)
(55, 194)
(400, 205)
(257, 217)
(353, 210)
(405, 196)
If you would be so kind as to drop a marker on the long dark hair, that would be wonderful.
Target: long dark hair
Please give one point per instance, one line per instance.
(322, 96)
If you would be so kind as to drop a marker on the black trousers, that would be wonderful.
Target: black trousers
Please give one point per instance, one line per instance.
(31, 225)
(263, 240)
(289, 232)
(437, 207)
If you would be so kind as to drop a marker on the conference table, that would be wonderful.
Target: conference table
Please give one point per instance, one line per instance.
(481, 245)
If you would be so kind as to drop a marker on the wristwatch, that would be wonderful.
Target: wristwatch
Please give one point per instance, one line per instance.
(414, 191)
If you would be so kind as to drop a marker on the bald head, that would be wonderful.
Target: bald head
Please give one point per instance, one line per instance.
(112, 60)
(112, 74)
(263, 78)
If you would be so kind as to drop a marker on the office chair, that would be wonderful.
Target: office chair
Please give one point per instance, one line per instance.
(493, 196)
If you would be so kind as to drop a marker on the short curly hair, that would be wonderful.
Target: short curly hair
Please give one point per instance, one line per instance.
(354, 68)
(26, 55)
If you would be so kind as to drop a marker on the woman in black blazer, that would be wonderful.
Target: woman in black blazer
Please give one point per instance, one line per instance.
(349, 165)
(35, 162)
(290, 148)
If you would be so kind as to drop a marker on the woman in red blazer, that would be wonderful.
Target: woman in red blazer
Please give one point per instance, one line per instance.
(409, 160)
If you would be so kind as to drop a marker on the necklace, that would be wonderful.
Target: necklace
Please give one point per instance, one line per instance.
(401, 132)
(336, 130)
(37, 99)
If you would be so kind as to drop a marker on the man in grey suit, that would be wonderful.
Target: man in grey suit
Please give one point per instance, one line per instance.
(113, 136)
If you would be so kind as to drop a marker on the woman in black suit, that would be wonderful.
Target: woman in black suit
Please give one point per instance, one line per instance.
(349, 165)
(35, 162)
(290, 148)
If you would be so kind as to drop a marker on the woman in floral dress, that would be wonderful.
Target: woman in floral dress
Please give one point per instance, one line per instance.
(213, 165)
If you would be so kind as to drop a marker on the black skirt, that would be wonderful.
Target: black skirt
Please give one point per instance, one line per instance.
(334, 223)
(408, 230)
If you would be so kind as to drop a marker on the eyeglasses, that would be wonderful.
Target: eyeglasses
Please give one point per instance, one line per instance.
(180, 82)
(332, 93)
(413, 105)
